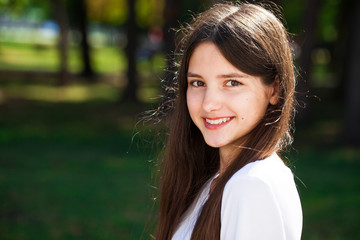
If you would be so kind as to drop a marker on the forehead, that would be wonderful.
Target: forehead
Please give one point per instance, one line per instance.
(207, 58)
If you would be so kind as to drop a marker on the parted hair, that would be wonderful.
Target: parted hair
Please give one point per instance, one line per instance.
(255, 41)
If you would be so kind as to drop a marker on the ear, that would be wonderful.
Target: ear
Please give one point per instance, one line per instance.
(275, 91)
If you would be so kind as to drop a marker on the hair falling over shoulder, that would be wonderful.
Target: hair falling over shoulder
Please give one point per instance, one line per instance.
(255, 41)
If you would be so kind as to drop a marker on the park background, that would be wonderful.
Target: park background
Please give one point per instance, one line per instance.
(76, 76)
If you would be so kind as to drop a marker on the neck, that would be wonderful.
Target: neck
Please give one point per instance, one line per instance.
(227, 155)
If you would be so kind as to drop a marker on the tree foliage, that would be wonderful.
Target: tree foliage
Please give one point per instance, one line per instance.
(32, 9)
(149, 13)
(113, 12)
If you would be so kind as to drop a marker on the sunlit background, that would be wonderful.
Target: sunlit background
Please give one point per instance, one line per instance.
(77, 162)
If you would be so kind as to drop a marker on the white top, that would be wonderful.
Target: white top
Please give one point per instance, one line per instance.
(260, 201)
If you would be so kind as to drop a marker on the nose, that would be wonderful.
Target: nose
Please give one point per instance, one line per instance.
(212, 100)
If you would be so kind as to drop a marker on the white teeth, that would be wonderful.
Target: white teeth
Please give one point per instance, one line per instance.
(217, 121)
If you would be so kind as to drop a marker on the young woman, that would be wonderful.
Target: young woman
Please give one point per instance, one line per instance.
(221, 177)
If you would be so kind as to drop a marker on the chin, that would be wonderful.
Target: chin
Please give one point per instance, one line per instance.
(215, 144)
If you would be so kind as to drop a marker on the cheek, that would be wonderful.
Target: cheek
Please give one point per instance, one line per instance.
(192, 103)
(251, 109)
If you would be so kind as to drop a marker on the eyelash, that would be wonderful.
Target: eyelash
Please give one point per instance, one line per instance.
(233, 83)
(236, 83)
(195, 83)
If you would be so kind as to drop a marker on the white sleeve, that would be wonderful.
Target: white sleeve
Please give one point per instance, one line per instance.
(250, 211)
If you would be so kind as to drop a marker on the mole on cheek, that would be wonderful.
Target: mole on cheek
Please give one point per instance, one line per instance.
(242, 118)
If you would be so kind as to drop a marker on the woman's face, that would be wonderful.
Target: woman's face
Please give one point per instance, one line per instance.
(224, 102)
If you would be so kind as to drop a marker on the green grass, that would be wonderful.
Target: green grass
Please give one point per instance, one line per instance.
(71, 171)
(14, 56)
(105, 60)
(79, 170)
(331, 194)
(76, 92)
(110, 61)
(148, 92)
(329, 171)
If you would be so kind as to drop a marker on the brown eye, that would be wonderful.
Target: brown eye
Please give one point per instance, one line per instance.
(197, 83)
(232, 83)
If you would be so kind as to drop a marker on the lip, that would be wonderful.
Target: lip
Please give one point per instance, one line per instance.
(216, 126)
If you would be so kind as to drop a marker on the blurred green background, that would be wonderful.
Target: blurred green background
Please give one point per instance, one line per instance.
(77, 162)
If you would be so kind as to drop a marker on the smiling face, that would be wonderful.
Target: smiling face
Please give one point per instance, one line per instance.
(224, 102)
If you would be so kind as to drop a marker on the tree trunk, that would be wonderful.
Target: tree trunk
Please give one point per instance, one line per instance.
(62, 19)
(87, 71)
(340, 54)
(131, 89)
(309, 40)
(352, 83)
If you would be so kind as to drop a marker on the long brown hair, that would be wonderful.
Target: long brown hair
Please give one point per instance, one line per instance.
(256, 42)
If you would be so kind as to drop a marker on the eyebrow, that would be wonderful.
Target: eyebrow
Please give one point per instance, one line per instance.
(228, 75)
(190, 74)
(232, 75)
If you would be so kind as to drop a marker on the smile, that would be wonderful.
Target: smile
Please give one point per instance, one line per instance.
(217, 121)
